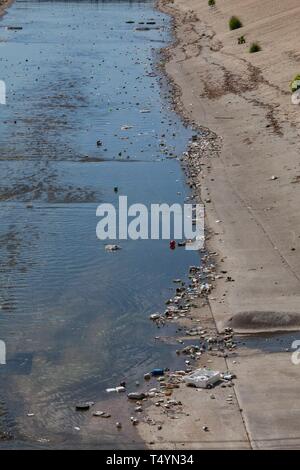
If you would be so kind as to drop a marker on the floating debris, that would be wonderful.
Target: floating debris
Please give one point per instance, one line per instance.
(112, 247)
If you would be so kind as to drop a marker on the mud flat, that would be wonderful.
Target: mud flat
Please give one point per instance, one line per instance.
(249, 184)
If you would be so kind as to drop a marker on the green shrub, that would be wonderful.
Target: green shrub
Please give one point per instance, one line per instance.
(235, 23)
(241, 40)
(295, 83)
(255, 47)
(211, 3)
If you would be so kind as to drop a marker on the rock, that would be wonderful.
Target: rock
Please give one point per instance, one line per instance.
(136, 396)
(98, 413)
(84, 406)
(154, 316)
(147, 376)
(101, 414)
(157, 372)
(134, 421)
(118, 425)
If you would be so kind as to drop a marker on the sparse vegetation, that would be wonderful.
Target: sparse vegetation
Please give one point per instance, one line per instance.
(211, 3)
(255, 47)
(241, 40)
(295, 83)
(235, 23)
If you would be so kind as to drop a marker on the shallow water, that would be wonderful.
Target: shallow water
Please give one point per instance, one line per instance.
(270, 343)
(74, 317)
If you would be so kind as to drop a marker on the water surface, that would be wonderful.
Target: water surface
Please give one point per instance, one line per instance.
(74, 317)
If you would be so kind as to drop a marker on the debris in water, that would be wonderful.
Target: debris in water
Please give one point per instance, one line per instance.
(112, 247)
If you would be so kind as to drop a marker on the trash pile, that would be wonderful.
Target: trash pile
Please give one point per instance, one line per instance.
(199, 286)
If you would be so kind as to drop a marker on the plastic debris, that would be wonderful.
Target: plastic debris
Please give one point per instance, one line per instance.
(116, 389)
(112, 247)
(157, 372)
(172, 244)
(203, 378)
(296, 97)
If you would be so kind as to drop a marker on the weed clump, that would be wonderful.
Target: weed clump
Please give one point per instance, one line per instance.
(235, 23)
(255, 47)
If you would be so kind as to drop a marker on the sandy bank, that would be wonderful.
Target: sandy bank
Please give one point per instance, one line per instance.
(252, 192)
(4, 4)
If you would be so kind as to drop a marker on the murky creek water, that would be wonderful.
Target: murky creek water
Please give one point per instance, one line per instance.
(74, 317)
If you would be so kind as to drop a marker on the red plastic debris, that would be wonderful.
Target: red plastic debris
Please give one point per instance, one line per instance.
(172, 244)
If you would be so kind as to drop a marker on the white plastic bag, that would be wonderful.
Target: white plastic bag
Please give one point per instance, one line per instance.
(296, 97)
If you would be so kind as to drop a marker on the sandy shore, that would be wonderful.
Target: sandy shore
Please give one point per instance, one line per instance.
(4, 4)
(251, 190)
